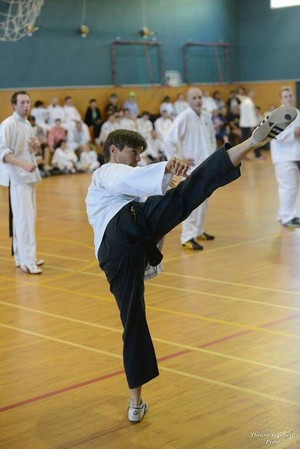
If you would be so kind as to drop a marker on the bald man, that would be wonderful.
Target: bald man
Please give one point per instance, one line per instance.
(192, 138)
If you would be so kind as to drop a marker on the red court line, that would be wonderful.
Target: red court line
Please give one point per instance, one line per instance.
(118, 373)
(287, 318)
(227, 337)
(79, 385)
(172, 356)
(248, 331)
(61, 391)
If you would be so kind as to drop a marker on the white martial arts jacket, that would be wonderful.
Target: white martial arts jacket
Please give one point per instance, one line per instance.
(15, 133)
(286, 147)
(191, 137)
(248, 116)
(54, 113)
(115, 185)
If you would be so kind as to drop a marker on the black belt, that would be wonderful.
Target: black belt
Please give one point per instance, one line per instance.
(140, 231)
(10, 221)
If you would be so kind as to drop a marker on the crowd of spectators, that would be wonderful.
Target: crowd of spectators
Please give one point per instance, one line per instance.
(71, 143)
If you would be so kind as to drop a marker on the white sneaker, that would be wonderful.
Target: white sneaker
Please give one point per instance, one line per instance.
(31, 269)
(136, 413)
(273, 125)
(38, 263)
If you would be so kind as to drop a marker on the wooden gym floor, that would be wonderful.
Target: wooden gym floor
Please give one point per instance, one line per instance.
(225, 323)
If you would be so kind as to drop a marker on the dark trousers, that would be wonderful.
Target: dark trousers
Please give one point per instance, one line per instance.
(123, 255)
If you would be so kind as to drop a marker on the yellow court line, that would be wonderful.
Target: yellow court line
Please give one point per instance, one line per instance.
(167, 311)
(73, 273)
(234, 387)
(228, 323)
(216, 295)
(7, 288)
(71, 242)
(76, 259)
(67, 214)
(221, 248)
(162, 368)
(59, 340)
(159, 340)
(235, 284)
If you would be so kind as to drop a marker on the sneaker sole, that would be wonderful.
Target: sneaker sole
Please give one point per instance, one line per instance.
(274, 124)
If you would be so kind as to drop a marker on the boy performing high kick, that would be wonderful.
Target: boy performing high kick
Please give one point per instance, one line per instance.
(127, 228)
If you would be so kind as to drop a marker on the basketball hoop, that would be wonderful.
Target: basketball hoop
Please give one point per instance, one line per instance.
(17, 17)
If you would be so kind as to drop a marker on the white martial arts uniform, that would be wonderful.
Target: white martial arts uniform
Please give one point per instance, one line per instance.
(15, 133)
(167, 106)
(248, 116)
(127, 123)
(162, 127)
(209, 104)
(180, 106)
(107, 128)
(76, 137)
(71, 115)
(104, 199)
(145, 128)
(192, 137)
(65, 159)
(41, 117)
(89, 161)
(285, 152)
(55, 112)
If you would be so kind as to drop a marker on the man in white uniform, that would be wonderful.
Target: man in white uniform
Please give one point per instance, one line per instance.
(285, 152)
(18, 170)
(55, 112)
(127, 228)
(192, 137)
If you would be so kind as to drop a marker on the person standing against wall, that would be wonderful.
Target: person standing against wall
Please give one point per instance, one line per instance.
(192, 137)
(285, 153)
(248, 118)
(18, 170)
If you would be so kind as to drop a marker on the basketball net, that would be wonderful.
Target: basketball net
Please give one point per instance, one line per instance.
(17, 18)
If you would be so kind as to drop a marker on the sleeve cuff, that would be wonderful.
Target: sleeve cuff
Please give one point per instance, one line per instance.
(4, 153)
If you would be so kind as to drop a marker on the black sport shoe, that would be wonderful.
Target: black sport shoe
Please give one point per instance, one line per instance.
(206, 236)
(273, 125)
(294, 222)
(192, 245)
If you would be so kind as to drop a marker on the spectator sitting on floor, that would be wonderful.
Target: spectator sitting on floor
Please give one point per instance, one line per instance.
(71, 113)
(107, 127)
(78, 135)
(132, 105)
(180, 104)
(88, 158)
(55, 111)
(163, 125)
(113, 106)
(221, 127)
(40, 113)
(64, 158)
(126, 121)
(56, 133)
(167, 105)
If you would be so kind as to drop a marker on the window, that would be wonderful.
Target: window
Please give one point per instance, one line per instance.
(284, 3)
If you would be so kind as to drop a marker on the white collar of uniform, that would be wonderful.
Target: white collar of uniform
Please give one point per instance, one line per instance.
(18, 117)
